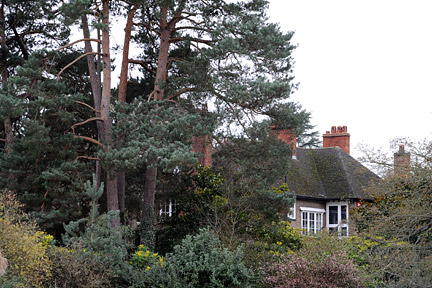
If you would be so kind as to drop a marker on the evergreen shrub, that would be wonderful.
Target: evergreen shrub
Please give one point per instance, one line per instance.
(199, 261)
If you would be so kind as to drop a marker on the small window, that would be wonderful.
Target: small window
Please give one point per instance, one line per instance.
(167, 208)
(292, 212)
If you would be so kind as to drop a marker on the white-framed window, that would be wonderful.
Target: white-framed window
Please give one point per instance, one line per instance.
(337, 217)
(167, 208)
(292, 212)
(311, 219)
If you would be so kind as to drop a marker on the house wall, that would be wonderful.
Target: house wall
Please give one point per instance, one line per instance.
(296, 223)
(306, 203)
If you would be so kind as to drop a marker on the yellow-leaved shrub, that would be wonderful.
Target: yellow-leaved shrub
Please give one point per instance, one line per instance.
(23, 246)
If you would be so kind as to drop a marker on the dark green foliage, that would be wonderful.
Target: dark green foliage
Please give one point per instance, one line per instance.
(237, 213)
(199, 261)
(145, 133)
(102, 244)
(200, 196)
(44, 160)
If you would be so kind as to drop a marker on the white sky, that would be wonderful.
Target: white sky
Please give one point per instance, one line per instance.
(364, 64)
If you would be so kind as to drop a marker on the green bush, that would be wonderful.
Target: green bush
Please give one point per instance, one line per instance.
(100, 243)
(199, 261)
(22, 245)
(77, 268)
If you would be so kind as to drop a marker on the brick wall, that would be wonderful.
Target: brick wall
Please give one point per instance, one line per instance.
(338, 137)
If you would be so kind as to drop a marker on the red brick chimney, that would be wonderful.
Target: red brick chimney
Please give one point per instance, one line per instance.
(338, 137)
(402, 161)
(203, 146)
(287, 136)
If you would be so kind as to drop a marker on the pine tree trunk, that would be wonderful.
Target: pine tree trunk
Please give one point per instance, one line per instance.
(111, 182)
(161, 76)
(121, 177)
(95, 86)
(4, 77)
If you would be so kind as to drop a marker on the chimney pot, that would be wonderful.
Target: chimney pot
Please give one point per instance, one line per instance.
(333, 130)
(339, 137)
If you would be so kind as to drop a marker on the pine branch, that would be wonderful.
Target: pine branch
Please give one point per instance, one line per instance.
(85, 122)
(94, 141)
(77, 41)
(86, 157)
(74, 61)
(85, 104)
(179, 39)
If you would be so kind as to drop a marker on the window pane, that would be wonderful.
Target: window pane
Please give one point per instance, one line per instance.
(304, 220)
(333, 214)
(319, 221)
(343, 212)
(312, 221)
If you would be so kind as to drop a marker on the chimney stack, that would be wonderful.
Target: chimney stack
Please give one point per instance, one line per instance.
(402, 161)
(339, 137)
(203, 146)
(286, 135)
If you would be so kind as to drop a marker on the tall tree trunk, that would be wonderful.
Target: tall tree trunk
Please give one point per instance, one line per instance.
(95, 86)
(4, 77)
(111, 181)
(121, 177)
(161, 76)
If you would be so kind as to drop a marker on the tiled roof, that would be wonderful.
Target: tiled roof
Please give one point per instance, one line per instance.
(329, 173)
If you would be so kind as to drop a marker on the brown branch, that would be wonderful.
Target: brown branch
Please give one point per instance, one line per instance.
(73, 62)
(86, 157)
(177, 17)
(90, 140)
(151, 94)
(192, 28)
(178, 39)
(80, 40)
(176, 59)
(87, 105)
(86, 121)
(180, 92)
(143, 64)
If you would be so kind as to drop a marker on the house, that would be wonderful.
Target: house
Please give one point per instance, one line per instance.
(327, 183)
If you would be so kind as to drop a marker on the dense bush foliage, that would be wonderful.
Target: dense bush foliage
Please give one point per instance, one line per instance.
(199, 261)
(322, 262)
(22, 244)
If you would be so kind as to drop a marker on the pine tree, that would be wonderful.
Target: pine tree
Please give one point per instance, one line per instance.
(220, 54)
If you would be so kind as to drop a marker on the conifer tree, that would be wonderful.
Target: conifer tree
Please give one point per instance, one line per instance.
(217, 53)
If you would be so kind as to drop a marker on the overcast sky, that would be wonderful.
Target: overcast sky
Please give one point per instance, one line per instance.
(364, 64)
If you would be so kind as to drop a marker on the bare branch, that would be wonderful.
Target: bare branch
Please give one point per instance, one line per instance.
(80, 40)
(179, 39)
(85, 157)
(94, 141)
(180, 92)
(86, 121)
(74, 61)
(85, 104)
(144, 64)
